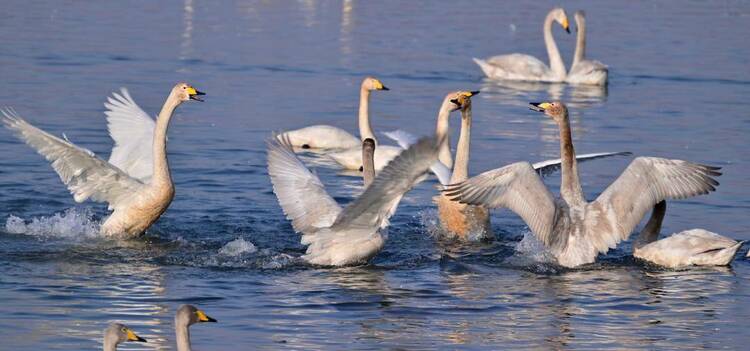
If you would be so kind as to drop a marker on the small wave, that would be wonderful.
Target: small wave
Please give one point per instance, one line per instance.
(71, 224)
(238, 253)
(237, 247)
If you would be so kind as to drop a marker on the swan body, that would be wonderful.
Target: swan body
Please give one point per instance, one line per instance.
(116, 334)
(521, 67)
(573, 230)
(352, 235)
(330, 137)
(583, 71)
(186, 316)
(691, 247)
(137, 194)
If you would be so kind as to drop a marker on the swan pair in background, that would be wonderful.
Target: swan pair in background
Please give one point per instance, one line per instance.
(522, 67)
(186, 316)
(576, 231)
(136, 182)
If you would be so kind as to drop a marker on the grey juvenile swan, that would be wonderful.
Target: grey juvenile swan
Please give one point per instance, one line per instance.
(576, 231)
(583, 71)
(186, 316)
(136, 182)
(118, 333)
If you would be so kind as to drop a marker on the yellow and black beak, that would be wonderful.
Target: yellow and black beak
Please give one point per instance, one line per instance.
(539, 106)
(202, 317)
(566, 25)
(193, 94)
(467, 94)
(133, 337)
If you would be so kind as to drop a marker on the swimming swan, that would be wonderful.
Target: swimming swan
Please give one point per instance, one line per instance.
(118, 333)
(529, 68)
(330, 137)
(138, 194)
(353, 235)
(186, 316)
(576, 231)
(583, 71)
(691, 247)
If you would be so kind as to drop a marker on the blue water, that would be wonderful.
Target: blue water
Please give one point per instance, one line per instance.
(679, 87)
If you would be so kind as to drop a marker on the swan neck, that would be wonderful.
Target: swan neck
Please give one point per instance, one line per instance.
(183, 337)
(556, 63)
(368, 164)
(109, 344)
(161, 164)
(365, 129)
(441, 131)
(461, 168)
(570, 187)
(580, 53)
(650, 231)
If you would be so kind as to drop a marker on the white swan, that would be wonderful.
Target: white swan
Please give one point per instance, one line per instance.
(330, 137)
(353, 235)
(583, 71)
(137, 193)
(116, 334)
(186, 316)
(529, 68)
(576, 231)
(691, 247)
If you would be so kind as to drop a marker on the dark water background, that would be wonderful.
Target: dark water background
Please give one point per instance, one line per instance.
(680, 81)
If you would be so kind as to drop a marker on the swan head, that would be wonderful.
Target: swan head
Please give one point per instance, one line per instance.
(188, 315)
(555, 110)
(372, 83)
(460, 100)
(185, 92)
(119, 333)
(559, 15)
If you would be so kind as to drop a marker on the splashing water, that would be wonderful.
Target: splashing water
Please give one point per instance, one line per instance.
(530, 248)
(71, 224)
(237, 247)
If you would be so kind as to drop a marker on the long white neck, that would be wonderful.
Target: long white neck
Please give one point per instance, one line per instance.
(161, 174)
(556, 63)
(650, 231)
(570, 186)
(441, 131)
(461, 168)
(109, 344)
(183, 337)
(365, 129)
(580, 53)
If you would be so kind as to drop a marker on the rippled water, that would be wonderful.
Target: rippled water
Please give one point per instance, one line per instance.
(680, 82)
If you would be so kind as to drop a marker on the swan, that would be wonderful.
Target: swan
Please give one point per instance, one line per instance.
(691, 247)
(576, 231)
(583, 71)
(352, 235)
(136, 182)
(186, 316)
(118, 333)
(368, 161)
(330, 137)
(529, 68)
(468, 222)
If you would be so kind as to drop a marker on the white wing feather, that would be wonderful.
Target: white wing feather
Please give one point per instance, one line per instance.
(405, 139)
(133, 132)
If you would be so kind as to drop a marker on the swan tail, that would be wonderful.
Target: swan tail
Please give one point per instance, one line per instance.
(719, 257)
(488, 69)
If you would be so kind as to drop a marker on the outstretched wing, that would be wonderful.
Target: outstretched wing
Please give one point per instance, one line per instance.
(646, 181)
(302, 196)
(545, 168)
(133, 132)
(405, 139)
(373, 208)
(517, 187)
(85, 175)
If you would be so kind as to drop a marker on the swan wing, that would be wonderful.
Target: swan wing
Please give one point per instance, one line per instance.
(86, 175)
(545, 168)
(302, 196)
(133, 132)
(405, 139)
(373, 208)
(647, 181)
(517, 66)
(517, 187)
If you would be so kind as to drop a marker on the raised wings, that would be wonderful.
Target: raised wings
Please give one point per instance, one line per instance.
(133, 132)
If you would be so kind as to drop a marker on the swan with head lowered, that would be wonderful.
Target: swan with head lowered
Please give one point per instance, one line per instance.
(690, 247)
(329, 137)
(573, 230)
(136, 182)
(352, 235)
(116, 334)
(463, 221)
(583, 71)
(528, 68)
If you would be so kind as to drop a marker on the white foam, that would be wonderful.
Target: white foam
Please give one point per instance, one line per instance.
(237, 247)
(530, 247)
(72, 224)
